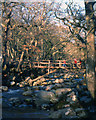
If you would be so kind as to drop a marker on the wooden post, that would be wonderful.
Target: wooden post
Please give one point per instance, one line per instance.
(59, 63)
(49, 67)
(38, 63)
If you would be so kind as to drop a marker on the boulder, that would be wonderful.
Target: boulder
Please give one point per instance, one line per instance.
(45, 106)
(72, 96)
(15, 101)
(50, 82)
(62, 91)
(62, 113)
(49, 87)
(4, 88)
(27, 93)
(70, 112)
(58, 81)
(66, 105)
(27, 88)
(12, 83)
(28, 100)
(57, 85)
(85, 99)
(44, 83)
(44, 97)
(80, 112)
(68, 83)
(56, 114)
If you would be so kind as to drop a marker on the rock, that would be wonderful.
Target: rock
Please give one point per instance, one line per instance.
(12, 77)
(76, 76)
(1, 95)
(44, 83)
(84, 87)
(4, 88)
(84, 93)
(22, 84)
(58, 81)
(17, 84)
(58, 85)
(67, 105)
(0, 102)
(83, 114)
(27, 88)
(12, 83)
(72, 96)
(27, 93)
(80, 112)
(45, 106)
(66, 76)
(42, 79)
(35, 83)
(85, 99)
(28, 100)
(15, 101)
(45, 97)
(50, 82)
(35, 87)
(57, 114)
(70, 113)
(71, 101)
(62, 91)
(68, 83)
(49, 87)
(62, 113)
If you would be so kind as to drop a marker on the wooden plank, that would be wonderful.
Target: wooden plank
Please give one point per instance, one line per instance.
(40, 66)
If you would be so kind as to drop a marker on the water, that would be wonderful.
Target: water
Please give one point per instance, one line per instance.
(21, 111)
(12, 91)
(27, 112)
(78, 79)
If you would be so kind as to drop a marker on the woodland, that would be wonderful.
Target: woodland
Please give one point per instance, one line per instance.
(38, 31)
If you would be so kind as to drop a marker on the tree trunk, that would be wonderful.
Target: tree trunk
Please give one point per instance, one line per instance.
(90, 67)
(21, 59)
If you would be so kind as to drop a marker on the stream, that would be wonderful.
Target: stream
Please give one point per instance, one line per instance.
(23, 111)
(59, 95)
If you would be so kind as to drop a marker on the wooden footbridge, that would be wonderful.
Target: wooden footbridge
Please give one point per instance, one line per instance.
(54, 64)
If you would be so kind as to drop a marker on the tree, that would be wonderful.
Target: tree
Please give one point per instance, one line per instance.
(27, 32)
(82, 27)
(91, 51)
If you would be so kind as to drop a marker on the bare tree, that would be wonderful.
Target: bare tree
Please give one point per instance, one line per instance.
(91, 51)
(82, 27)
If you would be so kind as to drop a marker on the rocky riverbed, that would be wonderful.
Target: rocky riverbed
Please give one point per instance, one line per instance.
(62, 94)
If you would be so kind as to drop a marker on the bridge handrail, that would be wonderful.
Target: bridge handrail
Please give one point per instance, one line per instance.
(50, 63)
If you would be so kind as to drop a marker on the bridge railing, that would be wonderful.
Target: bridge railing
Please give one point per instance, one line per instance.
(53, 64)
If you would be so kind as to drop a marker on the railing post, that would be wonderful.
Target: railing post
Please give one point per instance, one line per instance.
(38, 63)
(49, 67)
(59, 63)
